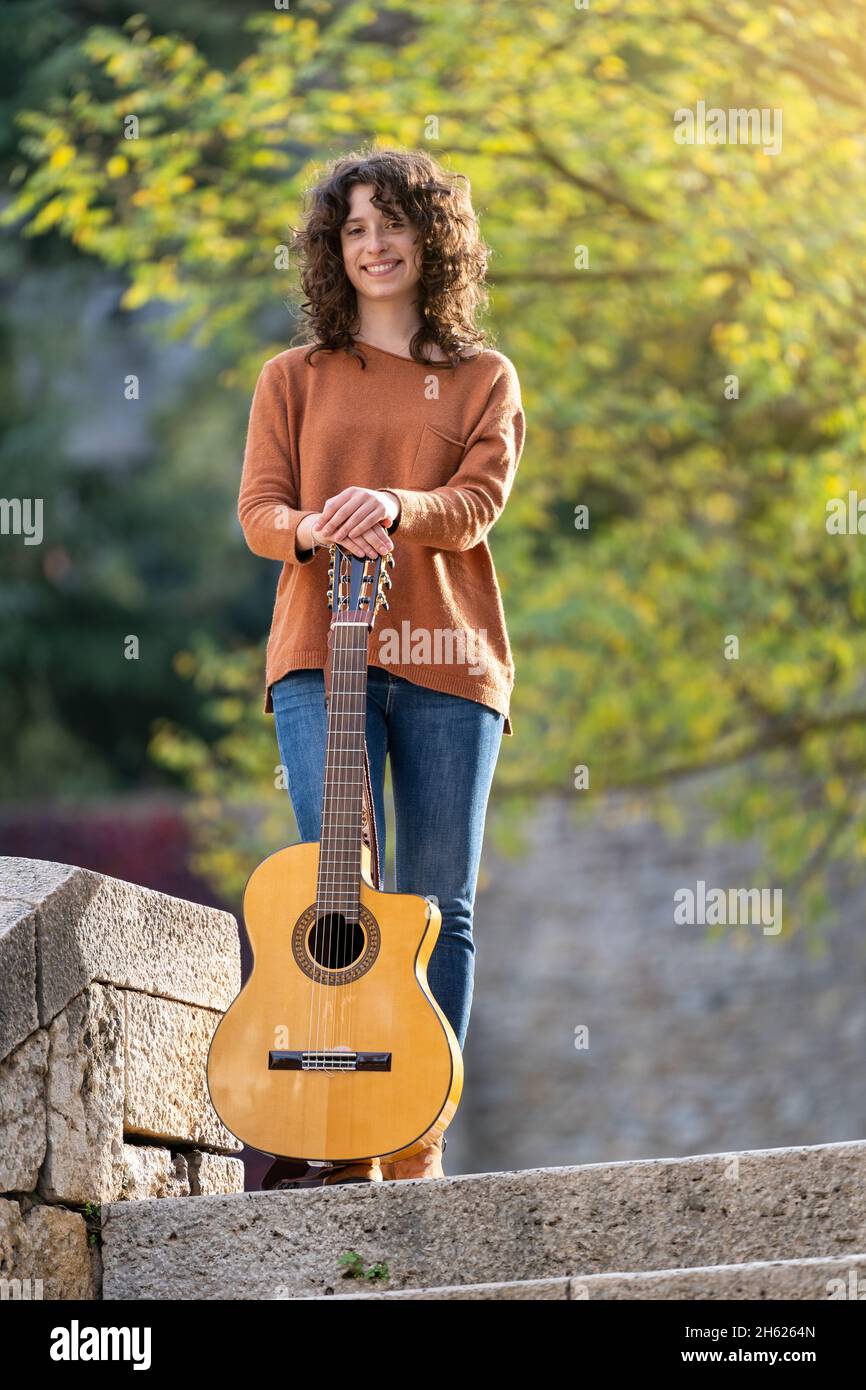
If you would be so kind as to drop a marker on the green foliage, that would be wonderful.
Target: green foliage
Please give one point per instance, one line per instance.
(93, 1223)
(353, 1267)
(241, 802)
(706, 262)
(140, 541)
(139, 535)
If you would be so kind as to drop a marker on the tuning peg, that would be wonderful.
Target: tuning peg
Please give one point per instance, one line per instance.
(383, 601)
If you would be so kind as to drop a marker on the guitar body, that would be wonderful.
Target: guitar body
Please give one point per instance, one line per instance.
(335, 1049)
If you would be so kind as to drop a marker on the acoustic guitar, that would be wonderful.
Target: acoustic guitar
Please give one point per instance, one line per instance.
(335, 1049)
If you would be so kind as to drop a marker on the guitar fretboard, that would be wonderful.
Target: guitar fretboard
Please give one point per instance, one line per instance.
(340, 841)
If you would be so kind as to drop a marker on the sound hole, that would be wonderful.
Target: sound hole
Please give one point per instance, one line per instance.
(334, 942)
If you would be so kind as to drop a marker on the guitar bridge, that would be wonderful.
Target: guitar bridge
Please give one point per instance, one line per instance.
(329, 1060)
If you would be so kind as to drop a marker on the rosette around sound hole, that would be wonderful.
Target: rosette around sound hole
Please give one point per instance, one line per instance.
(333, 949)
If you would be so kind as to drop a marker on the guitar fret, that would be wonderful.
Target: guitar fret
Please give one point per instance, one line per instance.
(343, 785)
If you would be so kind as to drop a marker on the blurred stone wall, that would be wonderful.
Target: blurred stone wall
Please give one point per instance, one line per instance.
(748, 1041)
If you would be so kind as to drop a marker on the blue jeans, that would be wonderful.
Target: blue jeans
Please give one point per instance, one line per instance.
(443, 751)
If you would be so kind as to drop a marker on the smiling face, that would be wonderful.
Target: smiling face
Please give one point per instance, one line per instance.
(379, 248)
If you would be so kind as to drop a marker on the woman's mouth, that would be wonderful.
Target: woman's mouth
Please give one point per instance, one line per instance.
(381, 268)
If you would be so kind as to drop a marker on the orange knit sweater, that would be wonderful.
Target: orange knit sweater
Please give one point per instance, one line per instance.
(447, 444)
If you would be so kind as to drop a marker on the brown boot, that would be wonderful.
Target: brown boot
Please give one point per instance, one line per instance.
(368, 1170)
(287, 1174)
(427, 1163)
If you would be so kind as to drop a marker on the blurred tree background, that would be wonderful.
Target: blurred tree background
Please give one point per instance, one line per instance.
(686, 320)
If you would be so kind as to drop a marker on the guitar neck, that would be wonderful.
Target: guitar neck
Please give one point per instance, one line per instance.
(340, 841)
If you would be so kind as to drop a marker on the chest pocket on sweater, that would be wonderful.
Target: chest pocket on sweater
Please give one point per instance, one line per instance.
(437, 458)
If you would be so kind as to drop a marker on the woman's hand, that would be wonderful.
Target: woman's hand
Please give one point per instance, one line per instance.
(358, 514)
(370, 543)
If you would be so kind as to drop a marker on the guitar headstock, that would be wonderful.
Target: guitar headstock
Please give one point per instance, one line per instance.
(356, 586)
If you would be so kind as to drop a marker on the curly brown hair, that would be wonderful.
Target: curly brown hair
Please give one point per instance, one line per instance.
(452, 257)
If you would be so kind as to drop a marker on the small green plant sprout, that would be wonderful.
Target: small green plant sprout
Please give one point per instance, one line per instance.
(353, 1267)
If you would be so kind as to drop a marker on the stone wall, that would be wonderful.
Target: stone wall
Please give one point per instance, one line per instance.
(109, 997)
(699, 1040)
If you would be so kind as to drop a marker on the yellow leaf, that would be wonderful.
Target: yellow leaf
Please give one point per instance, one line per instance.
(48, 216)
(135, 296)
(720, 507)
(611, 66)
(713, 285)
(63, 155)
(184, 663)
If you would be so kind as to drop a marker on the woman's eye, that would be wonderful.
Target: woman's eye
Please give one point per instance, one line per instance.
(353, 230)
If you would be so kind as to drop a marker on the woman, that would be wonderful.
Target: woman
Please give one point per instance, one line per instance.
(393, 419)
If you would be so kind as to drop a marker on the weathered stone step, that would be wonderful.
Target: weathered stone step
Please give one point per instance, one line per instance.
(843, 1277)
(652, 1215)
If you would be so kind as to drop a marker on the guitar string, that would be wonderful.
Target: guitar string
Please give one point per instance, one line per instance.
(318, 931)
(351, 651)
(312, 937)
(330, 812)
(341, 1030)
(356, 642)
(338, 829)
(361, 763)
(338, 803)
(347, 796)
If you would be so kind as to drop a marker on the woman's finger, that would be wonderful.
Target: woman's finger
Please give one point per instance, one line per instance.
(334, 503)
(341, 520)
(379, 538)
(366, 516)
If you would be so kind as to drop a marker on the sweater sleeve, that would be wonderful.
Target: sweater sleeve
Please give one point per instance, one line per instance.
(268, 500)
(459, 514)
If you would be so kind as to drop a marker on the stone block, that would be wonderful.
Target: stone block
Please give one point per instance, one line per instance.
(555, 1223)
(152, 1171)
(19, 1016)
(23, 1113)
(85, 1099)
(47, 1244)
(166, 1079)
(62, 928)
